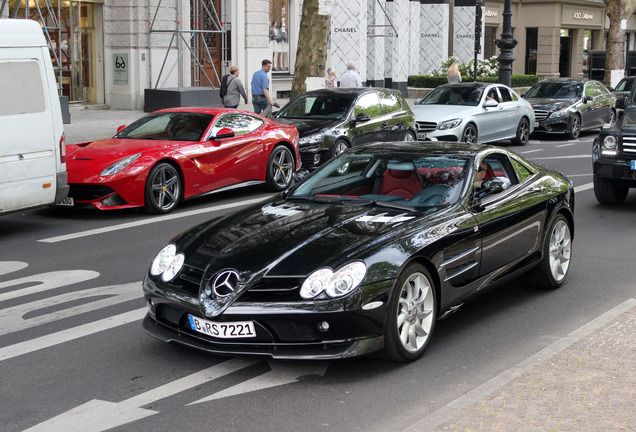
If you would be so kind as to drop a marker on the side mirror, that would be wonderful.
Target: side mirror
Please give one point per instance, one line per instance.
(587, 98)
(121, 128)
(490, 103)
(224, 133)
(417, 101)
(494, 185)
(363, 117)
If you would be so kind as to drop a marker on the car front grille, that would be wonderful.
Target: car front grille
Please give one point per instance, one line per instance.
(541, 115)
(629, 145)
(80, 192)
(423, 126)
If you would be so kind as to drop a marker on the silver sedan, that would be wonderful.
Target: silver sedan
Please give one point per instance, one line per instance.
(474, 113)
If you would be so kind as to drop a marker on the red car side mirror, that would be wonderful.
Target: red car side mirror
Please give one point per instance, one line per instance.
(121, 128)
(224, 133)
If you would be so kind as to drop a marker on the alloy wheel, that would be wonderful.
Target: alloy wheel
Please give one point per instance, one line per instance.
(560, 250)
(415, 317)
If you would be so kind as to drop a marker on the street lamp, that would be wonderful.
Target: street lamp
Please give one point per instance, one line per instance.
(506, 44)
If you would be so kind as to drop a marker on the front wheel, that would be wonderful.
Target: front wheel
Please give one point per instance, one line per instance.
(163, 188)
(408, 136)
(280, 169)
(411, 314)
(523, 132)
(608, 192)
(574, 128)
(470, 134)
(557, 252)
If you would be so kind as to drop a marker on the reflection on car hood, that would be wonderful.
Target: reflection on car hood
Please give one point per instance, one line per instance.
(438, 113)
(550, 105)
(308, 127)
(279, 238)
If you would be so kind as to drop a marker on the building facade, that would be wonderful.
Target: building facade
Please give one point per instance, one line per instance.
(110, 51)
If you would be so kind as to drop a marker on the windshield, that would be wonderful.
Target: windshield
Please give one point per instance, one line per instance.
(317, 106)
(404, 181)
(624, 85)
(556, 90)
(177, 126)
(455, 95)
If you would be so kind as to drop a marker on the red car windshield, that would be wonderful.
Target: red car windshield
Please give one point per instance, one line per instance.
(177, 126)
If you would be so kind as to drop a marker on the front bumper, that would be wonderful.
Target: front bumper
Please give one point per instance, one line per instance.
(284, 330)
(552, 125)
(617, 170)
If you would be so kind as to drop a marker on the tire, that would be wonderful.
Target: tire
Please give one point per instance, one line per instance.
(574, 128)
(523, 133)
(608, 192)
(408, 136)
(411, 314)
(557, 251)
(280, 169)
(163, 189)
(470, 134)
(338, 147)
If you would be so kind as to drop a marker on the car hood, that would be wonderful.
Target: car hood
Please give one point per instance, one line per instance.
(441, 112)
(284, 239)
(308, 127)
(551, 105)
(112, 149)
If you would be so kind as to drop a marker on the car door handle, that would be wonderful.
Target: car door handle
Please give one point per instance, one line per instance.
(385, 123)
(537, 189)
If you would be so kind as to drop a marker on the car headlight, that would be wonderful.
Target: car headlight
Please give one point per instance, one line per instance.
(337, 284)
(167, 263)
(609, 142)
(560, 113)
(311, 139)
(118, 166)
(449, 124)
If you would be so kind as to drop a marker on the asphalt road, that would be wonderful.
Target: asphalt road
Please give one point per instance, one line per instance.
(72, 354)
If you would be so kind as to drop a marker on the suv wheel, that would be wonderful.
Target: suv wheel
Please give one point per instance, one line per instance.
(608, 192)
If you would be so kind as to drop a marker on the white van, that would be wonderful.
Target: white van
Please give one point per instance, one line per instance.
(32, 153)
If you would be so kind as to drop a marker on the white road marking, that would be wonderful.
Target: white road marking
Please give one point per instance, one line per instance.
(566, 145)
(97, 415)
(532, 151)
(50, 340)
(11, 266)
(148, 221)
(581, 156)
(44, 282)
(584, 187)
(12, 319)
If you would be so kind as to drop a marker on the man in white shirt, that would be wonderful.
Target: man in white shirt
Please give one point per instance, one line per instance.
(350, 78)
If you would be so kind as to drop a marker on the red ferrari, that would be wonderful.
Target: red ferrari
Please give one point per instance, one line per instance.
(179, 153)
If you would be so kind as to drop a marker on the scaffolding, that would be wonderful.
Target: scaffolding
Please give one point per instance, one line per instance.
(208, 27)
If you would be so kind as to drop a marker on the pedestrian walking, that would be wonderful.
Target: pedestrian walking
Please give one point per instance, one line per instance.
(260, 87)
(235, 89)
(331, 80)
(350, 78)
(453, 74)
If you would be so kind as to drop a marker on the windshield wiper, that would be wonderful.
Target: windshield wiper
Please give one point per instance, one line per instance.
(394, 205)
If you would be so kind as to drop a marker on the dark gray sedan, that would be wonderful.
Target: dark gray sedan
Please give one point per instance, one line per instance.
(571, 105)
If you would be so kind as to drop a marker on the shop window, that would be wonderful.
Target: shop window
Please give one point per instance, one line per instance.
(490, 36)
(279, 34)
(532, 40)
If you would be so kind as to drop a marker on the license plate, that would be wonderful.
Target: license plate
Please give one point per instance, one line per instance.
(68, 201)
(421, 136)
(634, 164)
(223, 330)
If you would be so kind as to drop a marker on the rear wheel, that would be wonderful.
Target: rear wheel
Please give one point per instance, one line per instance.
(557, 251)
(411, 316)
(574, 128)
(163, 188)
(608, 192)
(470, 134)
(280, 169)
(523, 132)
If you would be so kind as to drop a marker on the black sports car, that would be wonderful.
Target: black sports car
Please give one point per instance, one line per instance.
(364, 254)
(331, 120)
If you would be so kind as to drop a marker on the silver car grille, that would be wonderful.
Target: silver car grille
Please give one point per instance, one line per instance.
(541, 115)
(629, 144)
(425, 126)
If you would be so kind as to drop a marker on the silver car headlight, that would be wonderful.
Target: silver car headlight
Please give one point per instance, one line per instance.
(449, 124)
(311, 139)
(167, 263)
(609, 142)
(118, 166)
(561, 113)
(334, 284)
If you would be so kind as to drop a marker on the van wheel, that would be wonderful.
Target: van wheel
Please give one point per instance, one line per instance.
(163, 189)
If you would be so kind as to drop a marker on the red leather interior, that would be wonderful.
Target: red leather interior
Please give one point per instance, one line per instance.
(398, 182)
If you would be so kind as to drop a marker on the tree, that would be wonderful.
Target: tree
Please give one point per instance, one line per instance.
(311, 54)
(617, 11)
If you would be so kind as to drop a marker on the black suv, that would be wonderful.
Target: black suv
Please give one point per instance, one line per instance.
(329, 121)
(614, 157)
